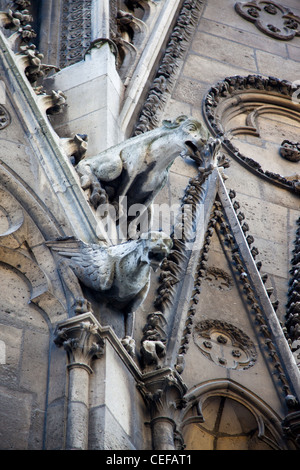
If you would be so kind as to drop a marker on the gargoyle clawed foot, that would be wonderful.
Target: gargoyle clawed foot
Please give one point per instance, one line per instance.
(129, 344)
(98, 195)
(81, 305)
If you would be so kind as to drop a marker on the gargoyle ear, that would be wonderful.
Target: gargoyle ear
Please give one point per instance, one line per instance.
(181, 118)
(175, 123)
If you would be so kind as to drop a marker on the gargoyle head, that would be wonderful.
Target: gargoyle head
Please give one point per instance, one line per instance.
(192, 133)
(158, 247)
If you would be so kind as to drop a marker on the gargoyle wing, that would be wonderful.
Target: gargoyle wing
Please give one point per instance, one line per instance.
(91, 263)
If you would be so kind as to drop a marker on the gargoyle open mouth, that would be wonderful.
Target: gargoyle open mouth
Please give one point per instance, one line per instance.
(156, 258)
(191, 147)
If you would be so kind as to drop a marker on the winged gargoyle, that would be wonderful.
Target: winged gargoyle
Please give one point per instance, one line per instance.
(120, 274)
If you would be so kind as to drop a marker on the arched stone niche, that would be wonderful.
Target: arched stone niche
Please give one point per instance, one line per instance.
(259, 120)
(222, 415)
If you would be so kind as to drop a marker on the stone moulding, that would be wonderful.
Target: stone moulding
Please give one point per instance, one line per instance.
(262, 308)
(164, 79)
(292, 323)
(42, 136)
(271, 18)
(263, 413)
(229, 221)
(258, 95)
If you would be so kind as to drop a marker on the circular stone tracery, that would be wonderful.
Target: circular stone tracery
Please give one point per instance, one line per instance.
(233, 107)
(225, 344)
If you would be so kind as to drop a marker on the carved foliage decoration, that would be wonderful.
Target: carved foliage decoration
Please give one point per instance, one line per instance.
(28, 59)
(218, 279)
(292, 323)
(290, 150)
(238, 105)
(82, 342)
(166, 74)
(225, 344)
(271, 18)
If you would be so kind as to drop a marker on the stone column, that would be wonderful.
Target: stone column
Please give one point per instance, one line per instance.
(163, 393)
(163, 433)
(81, 339)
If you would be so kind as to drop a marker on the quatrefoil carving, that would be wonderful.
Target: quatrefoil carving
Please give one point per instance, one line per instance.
(224, 344)
(271, 18)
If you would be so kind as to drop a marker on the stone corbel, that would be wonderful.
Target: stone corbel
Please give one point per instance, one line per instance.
(29, 60)
(163, 393)
(81, 339)
(147, 6)
(131, 28)
(75, 147)
(19, 23)
(53, 103)
(14, 20)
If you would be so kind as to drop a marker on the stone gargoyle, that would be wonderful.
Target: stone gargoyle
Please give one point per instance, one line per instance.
(138, 168)
(119, 274)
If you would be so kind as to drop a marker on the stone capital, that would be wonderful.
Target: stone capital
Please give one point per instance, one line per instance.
(80, 337)
(163, 391)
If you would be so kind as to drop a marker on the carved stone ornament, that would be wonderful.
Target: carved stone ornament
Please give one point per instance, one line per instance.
(28, 59)
(75, 31)
(271, 18)
(165, 78)
(290, 150)
(82, 342)
(119, 274)
(218, 279)
(32, 64)
(225, 344)
(234, 109)
(5, 118)
(138, 168)
(292, 323)
(153, 343)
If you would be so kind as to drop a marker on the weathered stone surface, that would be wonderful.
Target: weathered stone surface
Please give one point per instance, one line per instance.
(163, 63)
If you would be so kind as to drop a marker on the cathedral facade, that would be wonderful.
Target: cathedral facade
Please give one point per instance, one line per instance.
(150, 225)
